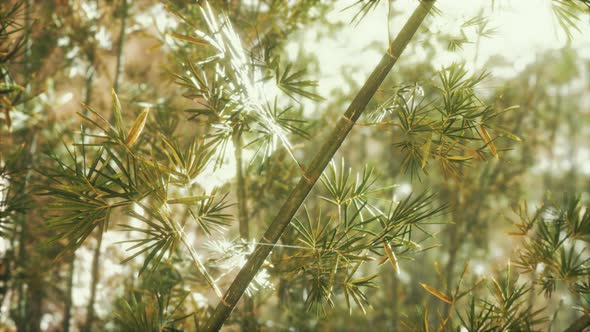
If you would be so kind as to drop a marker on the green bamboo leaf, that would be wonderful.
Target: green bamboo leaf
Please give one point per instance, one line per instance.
(458, 158)
(118, 114)
(391, 256)
(137, 127)
(488, 140)
(188, 39)
(436, 293)
(364, 281)
(505, 133)
(426, 151)
(189, 200)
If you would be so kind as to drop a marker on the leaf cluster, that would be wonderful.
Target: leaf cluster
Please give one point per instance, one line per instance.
(507, 309)
(14, 199)
(330, 248)
(568, 14)
(159, 304)
(110, 168)
(448, 123)
(11, 47)
(554, 240)
(503, 307)
(229, 91)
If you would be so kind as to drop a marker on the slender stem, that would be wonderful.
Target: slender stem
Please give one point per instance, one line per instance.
(94, 280)
(248, 322)
(241, 186)
(198, 264)
(321, 160)
(450, 268)
(69, 290)
(120, 45)
(95, 274)
(28, 48)
(21, 290)
(88, 85)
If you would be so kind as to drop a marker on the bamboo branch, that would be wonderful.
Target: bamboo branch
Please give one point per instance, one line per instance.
(311, 175)
(580, 324)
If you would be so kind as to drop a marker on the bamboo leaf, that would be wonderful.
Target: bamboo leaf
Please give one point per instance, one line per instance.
(459, 158)
(188, 39)
(489, 142)
(391, 256)
(118, 115)
(506, 133)
(137, 127)
(188, 200)
(436, 293)
(426, 151)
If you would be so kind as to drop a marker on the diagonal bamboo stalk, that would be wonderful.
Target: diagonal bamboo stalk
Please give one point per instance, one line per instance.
(311, 175)
(579, 325)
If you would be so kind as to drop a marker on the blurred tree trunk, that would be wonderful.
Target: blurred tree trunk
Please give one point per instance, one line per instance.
(95, 279)
(30, 285)
(248, 319)
(120, 45)
(69, 291)
(95, 274)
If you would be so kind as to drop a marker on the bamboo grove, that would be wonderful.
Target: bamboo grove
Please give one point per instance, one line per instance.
(227, 190)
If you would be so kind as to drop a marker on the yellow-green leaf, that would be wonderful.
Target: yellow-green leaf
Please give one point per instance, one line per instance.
(391, 256)
(137, 127)
(436, 293)
(508, 134)
(188, 39)
(459, 158)
(489, 142)
(363, 280)
(187, 200)
(171, 149)
(117, 113)
(426, 151)
(498, 289)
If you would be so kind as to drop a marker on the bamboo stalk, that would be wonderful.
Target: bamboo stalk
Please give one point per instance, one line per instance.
(311, 175)
(248, 321)
(580, 324)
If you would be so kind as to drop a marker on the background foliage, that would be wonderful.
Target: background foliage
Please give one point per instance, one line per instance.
(146, 147)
